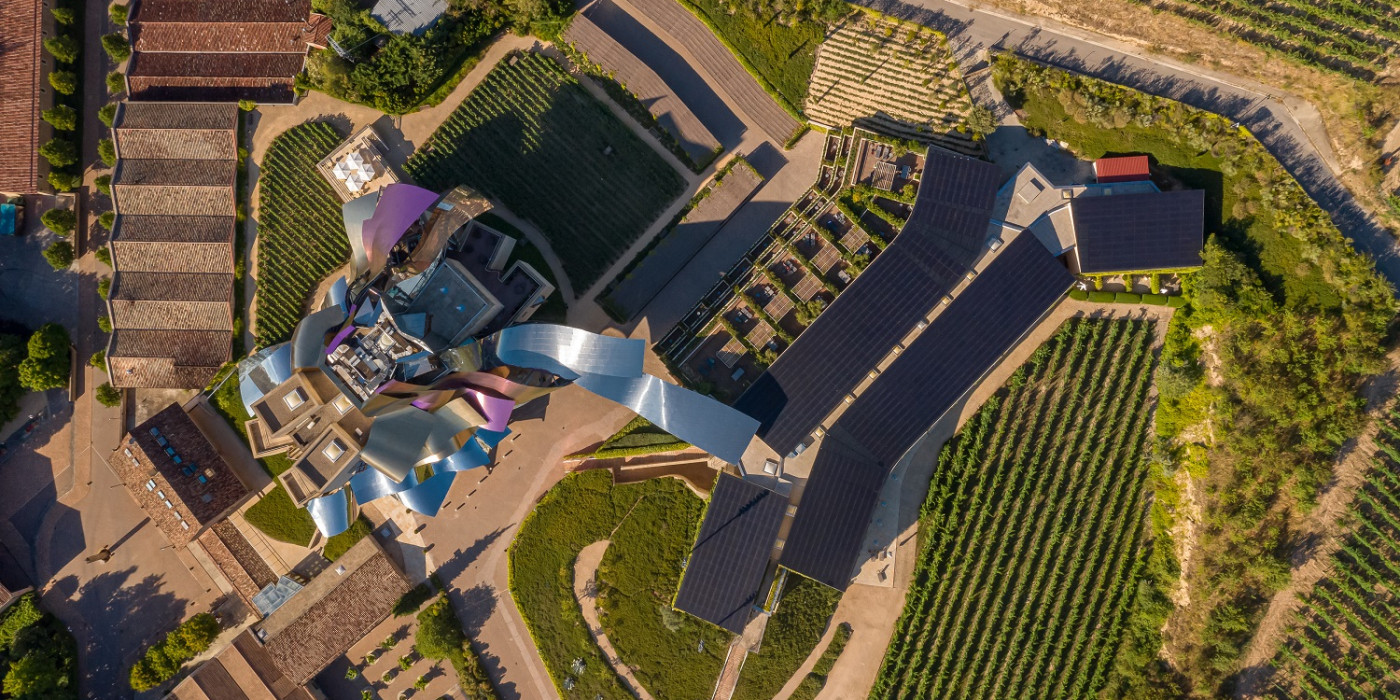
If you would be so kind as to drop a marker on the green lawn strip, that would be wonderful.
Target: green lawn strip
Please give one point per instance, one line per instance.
(536, 140)
(338, 545)
(279, 518)
(792, 633)
(816, 680)
(637, 580)
(580, 510)
(780, 56)
(638, 437)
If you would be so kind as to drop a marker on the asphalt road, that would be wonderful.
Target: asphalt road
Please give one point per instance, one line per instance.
(971, 31)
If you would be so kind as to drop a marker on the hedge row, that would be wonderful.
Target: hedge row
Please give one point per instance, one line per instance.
(1128, 298)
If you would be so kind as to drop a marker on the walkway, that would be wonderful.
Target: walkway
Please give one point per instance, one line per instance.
(1285, 124)
(586, 592)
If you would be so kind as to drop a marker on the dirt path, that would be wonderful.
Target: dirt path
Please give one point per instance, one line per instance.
(586, 592)
(1320, 535)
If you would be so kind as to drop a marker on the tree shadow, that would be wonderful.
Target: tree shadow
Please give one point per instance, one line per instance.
(116, 619)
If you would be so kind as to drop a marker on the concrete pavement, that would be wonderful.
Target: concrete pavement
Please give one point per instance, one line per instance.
(1283, 123)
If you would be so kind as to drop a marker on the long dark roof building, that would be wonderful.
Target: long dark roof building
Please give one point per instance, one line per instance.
(731, 552)
(211, 50)
(1131, 232)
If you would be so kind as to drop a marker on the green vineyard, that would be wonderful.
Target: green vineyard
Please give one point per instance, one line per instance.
(1353, 37)
(1345, 642)
(1032, 527)
(533, 138)
(301, 235)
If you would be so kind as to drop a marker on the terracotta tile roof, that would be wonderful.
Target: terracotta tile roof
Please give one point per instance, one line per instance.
(180, 144)
(216, 65)
(171, 200)
(335, 610)
(237, 561)
(242, 671)
(171, 171)
(265, 37)
(159, 373)
(172, 286)
(200, 348)
(172, 256)
(220, 11)
(261, 90)
(154, 478)
(174, 229)
(175, 115)
(321, 26)
(1122, 169)
(20, 42)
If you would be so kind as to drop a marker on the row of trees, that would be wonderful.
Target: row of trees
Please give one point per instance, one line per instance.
(163, 660)
(38, 657)
(40, 363)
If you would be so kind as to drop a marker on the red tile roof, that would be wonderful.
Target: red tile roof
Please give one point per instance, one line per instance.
(263, 37)
(1121, 169)
(220, 10)
(20, 42)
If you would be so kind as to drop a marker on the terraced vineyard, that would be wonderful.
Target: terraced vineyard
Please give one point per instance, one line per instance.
(533, 138)
(896, 77)
(1345, 642)
(301, 235)
(1031, 529)
(1355, 37)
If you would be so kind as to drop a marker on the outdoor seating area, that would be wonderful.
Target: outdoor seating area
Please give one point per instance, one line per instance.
(357, 166)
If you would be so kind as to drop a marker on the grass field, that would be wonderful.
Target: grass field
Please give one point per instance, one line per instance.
(637, 580)
(792, 633)
(782, 52)
(1029, 534)
(533, 138)
(301, 235)
(582, 509)
(1346, 639)
(338, 545)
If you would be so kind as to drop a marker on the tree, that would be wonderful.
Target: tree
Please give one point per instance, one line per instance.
(60, 221)
(104, 184)
(64, 82)
(47, 364)
(104, 256)
(64, 182)
(104, 287)
(63, 48)
(59, 152)
(108, 395)
(59, 254)
(107, 151)
(116, 46)
(12, 350)
(118, 14)
(107, 114)
(107, 220)
(981, 120)
(63, 15)
(247, 105)
(98, 360)
(62, 117)
(116, 82)
(104, 324)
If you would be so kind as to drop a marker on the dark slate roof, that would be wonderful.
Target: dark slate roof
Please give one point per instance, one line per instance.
(947, 359)
(241, 11)
(162, 115)
(726, 565)
(937, 246)
(169, 171)
(174, 229)
(1148, 231)
(172, 286)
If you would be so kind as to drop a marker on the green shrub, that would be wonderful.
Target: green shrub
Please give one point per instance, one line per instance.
(60, 221)
(107, 220)
(1079, 294)
(104, 287)
(63, 15)
(1176, 302)
(63, 82)
(104, 183)
(409, 603)
(46, 367)
(61, 117)
(1127, 298)
(107, 151)
(104, 323)
(1155, 299)
(118, 13)
(440, 636)
(98, 360)
(116, 83)
(38, 653)
(108, 395)
(116, 46)
(247, 105)
(1101, 297)
(59, 254)
(63, 48)
(107, 114)
(103, 255)
(163, 660)
(64, 182)
(59, 152)
(338, 545)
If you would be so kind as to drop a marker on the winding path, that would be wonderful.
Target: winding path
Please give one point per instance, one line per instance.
(586, 591)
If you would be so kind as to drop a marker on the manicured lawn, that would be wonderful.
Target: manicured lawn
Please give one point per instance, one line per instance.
(338, 545)
(637, 581)
(803, 613)
(533, 138)
(279, 518)
(784, 55)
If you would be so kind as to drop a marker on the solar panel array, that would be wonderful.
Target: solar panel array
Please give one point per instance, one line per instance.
(946, 360)
(939, 243)
(726, 567)
(1148, 231)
